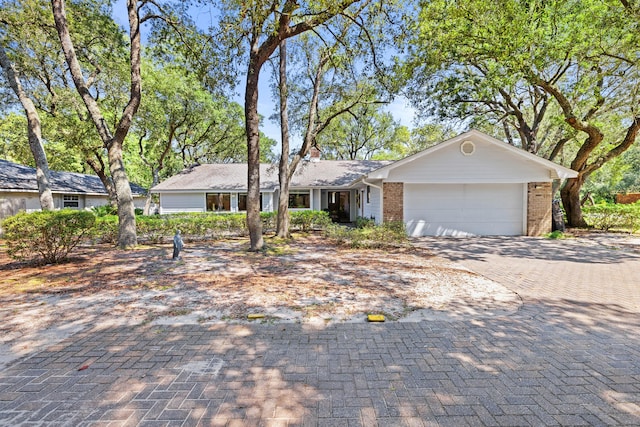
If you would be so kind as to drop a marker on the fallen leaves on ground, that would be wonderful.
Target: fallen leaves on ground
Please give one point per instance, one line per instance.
(302, 280)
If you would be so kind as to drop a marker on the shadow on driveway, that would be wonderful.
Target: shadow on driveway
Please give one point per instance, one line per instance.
(555, 363)
(607, 249)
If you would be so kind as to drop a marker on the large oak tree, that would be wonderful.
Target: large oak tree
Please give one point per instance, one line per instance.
(513, 57)
(112, 139)
(265, 24)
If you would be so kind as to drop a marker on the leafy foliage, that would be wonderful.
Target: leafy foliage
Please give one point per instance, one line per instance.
(308, 220)
(610, 216)
(47, 236)
(203, 226)
(389, 234)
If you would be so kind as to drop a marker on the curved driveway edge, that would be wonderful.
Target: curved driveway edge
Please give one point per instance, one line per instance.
(596, 268)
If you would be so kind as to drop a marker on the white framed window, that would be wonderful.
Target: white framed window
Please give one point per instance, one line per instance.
(300, 200)
(218, 202)
(70, 201)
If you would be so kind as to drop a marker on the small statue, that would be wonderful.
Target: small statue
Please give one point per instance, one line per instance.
(178, 244)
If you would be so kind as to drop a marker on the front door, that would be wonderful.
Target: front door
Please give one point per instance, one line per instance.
(339, 206)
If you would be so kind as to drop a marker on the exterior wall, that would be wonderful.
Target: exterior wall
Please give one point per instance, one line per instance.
(324, 199)
(181, 202)
(195, 202)
(353, 205)
(488, 164)
(539, 213)
(372, 208)
(393, 201)
(316, 203)
(268, 202)
(12, 203)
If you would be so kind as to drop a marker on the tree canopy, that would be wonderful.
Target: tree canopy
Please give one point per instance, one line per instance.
(559, 79)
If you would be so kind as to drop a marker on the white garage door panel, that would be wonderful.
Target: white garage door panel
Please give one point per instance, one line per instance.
(464, 209)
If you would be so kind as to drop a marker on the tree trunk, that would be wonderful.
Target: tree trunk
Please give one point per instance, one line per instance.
(570, 194)
(155, 181)
(283, 223)
(43, 176)
(112, 142)
(97, 165)
(252, 118)
(127, 237)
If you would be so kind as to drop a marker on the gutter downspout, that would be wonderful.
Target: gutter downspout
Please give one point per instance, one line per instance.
(364, 181)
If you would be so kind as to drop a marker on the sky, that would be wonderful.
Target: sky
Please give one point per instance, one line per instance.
(204, 16)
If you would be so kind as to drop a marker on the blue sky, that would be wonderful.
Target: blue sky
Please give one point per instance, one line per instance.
(203, 15)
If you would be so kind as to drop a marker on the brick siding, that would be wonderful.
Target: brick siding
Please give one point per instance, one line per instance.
(539, 214)
(393, 201)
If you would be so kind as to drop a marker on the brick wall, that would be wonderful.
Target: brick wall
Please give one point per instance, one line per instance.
(539, 200)
(393, 201)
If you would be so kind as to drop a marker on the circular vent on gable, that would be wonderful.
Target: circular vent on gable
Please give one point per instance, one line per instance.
(467, 148)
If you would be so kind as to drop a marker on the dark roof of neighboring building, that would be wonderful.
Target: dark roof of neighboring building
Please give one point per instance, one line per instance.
(233, 176)
(15, 177)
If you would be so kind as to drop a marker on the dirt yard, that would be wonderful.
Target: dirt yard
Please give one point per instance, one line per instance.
(305, 280)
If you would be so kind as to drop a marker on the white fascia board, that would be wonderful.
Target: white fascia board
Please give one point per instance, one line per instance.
(208, 190)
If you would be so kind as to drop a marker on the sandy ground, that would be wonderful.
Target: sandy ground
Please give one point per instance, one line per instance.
(305, 280)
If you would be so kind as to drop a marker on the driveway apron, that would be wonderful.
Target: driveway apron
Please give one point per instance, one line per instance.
(569, 356)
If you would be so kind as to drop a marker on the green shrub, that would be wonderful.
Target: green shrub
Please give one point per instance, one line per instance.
(48, 236)
(362, 222)
(269, 221)
(106, 229)
(609, 216)
(389, 234)
(308, 220)
(555, 235)
(104, 210)
(204, 226)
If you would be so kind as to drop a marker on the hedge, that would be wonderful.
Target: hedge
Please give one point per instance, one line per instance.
(204, 226)
(607, 216)
(47, 236)
(389, 234)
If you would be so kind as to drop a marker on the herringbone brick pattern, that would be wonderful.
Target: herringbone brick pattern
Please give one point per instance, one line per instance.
(544, 366)
(570, 356)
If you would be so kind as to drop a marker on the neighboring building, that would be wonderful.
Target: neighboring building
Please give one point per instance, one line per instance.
(472, 184)
(19, 190)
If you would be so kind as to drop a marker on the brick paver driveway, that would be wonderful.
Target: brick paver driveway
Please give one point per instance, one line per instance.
(569, 356)
(595, 269)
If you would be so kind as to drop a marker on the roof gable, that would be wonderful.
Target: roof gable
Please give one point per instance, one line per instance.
(490, 160)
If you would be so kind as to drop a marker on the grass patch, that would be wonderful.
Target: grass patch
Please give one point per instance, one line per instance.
(556, 235)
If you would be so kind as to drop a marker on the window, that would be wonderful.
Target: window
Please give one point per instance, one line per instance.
(218, 202)
(242, 201)
(69, 201)
(300, 200)
(467, 148)
(368, 194)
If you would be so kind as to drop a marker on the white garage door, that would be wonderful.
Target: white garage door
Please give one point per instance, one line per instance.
(464, 209)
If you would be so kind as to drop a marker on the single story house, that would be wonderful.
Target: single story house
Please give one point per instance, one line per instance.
(472, 184)
(19, 190)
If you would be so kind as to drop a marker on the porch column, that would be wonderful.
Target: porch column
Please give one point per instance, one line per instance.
(539, 210)
(392, 201)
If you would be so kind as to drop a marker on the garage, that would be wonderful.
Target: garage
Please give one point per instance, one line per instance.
(465, 209)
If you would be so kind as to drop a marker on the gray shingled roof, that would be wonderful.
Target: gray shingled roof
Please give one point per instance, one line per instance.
(233, 176)
(17, 177)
